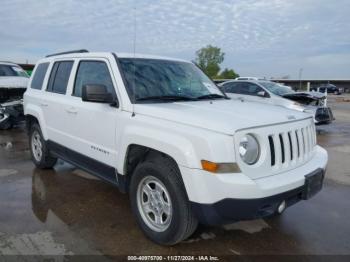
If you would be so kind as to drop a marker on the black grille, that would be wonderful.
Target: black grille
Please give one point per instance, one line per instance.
(272, 151)
(292, 146)
(282, 148)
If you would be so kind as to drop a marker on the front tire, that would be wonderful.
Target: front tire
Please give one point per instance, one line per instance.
(39, 149)
(160, 203)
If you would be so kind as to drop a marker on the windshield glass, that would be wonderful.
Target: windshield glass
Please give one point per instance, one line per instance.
(163, 79)
(276, 89)
(12, 70)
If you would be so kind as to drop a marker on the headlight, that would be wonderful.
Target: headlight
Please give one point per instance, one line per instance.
(249, 149)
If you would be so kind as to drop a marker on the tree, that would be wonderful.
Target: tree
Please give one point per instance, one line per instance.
(228, 74)
(209, 59)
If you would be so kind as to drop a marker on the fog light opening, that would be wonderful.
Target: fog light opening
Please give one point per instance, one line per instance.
(281, 207)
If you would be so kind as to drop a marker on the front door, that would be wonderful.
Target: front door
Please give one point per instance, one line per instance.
(92, 126)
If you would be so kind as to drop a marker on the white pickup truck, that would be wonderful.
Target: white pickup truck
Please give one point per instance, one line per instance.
(161, 130)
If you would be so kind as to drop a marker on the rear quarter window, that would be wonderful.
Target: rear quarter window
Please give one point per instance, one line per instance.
(39, 76)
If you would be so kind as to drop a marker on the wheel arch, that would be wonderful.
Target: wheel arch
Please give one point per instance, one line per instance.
(33, 115)
(136, 154)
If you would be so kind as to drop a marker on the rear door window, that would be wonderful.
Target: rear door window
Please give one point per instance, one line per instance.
(59, 77)
(39, 76)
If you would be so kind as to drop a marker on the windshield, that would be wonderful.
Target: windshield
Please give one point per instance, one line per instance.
(163, 80)
(12, 70)
(276, 89)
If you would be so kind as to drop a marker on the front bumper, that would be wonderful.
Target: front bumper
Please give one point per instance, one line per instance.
(232, 210)
(224, 198)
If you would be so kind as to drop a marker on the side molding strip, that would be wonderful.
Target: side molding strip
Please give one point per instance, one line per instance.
(90, 165)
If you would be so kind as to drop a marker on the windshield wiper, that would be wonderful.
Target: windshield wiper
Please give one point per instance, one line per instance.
(167, 98)
(211, 96)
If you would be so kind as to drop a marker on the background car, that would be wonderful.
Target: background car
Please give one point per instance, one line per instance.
(332, 89)
(247, 78)
(13, 84)
(284, 86)
(271, 93)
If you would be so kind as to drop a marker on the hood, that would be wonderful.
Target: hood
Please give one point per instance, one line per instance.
(223, 116)
(13, 81)
(305, 97)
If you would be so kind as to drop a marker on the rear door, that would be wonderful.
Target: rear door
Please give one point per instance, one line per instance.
(55, 101)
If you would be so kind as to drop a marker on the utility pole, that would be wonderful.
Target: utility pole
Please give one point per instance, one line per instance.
(300, 73)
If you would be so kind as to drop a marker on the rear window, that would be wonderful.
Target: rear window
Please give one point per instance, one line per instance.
(38, 78)
(59, 77)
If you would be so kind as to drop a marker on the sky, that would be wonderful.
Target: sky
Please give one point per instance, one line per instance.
(263, 38)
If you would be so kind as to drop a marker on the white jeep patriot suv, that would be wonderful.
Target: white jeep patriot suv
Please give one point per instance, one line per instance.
(159, 129)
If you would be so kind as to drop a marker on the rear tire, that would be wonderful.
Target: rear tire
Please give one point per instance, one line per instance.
(39, 150)
(170, 206)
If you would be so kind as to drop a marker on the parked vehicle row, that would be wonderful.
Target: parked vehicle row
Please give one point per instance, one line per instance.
(162, 131)
(268, 92)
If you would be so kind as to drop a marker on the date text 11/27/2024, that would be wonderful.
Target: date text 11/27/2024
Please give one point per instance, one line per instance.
(173, 258)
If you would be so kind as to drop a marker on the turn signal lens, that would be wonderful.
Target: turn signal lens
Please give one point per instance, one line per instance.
(220, 167)
(209, 166)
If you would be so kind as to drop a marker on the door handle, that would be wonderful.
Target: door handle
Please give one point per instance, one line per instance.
(71, 110)
(44, 104)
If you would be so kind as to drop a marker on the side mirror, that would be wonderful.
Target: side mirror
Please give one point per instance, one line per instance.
(96, 93)
(263, 94)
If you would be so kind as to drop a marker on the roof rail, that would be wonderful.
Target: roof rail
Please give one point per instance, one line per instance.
(69, 52)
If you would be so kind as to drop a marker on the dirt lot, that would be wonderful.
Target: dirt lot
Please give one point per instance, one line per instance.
(66, 211)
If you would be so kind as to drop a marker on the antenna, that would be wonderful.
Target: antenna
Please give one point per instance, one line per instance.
(134, 51)
(134, 40)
